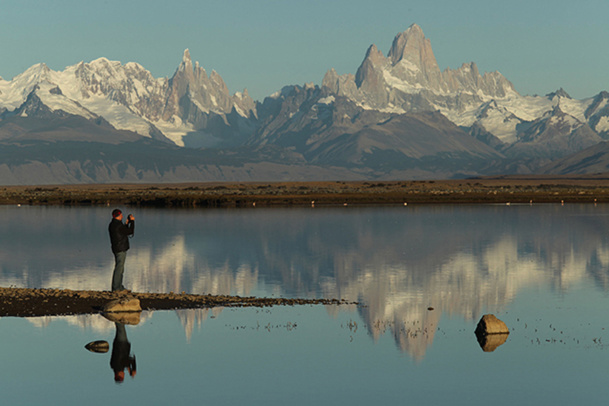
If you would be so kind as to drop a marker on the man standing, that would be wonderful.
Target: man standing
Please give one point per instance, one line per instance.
(119, 238)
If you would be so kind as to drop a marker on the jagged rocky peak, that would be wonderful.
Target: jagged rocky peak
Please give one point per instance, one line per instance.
(343, 85)
(217, 79)
(186, 56)
(186, 64)
(195, 74)
(412, 46)
(330, 80)
(369, 74)
(192, 92)
(559, 93)
(375, 56)
(414, 63)
(410, 70)
(185, 71)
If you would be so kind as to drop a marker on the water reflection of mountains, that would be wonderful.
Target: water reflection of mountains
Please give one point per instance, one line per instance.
(460, 260)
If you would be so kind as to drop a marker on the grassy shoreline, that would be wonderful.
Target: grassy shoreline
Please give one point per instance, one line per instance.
(274, 194)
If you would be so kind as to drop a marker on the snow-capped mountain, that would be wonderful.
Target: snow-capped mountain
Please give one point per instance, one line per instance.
(410, 69)
(409, 79)
(398, 116)
(130, 98)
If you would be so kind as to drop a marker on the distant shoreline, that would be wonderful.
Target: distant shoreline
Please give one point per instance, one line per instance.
(512, 189)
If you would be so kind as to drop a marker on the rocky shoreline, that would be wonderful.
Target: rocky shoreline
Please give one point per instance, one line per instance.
(24, 302)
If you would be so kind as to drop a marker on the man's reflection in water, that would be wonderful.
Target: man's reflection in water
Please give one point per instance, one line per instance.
(120, 359)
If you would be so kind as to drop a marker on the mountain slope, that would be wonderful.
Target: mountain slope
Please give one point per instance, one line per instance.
(555, 135)
(333, 130)
(591, 160)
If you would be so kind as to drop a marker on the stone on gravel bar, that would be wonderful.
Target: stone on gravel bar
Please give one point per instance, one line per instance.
(125, 304)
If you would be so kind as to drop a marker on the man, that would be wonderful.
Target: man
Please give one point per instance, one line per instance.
(119, 238)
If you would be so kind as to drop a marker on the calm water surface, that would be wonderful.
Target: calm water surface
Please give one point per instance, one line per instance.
(543, 269)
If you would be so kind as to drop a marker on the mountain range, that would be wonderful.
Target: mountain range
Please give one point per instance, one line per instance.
(398, 117)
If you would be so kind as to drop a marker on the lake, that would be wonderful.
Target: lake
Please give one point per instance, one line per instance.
(423, 275)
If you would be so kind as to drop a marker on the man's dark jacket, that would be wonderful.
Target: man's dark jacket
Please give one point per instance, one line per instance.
(119, 235)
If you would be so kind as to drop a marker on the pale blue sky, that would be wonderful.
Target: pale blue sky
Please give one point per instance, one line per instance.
(539, 45)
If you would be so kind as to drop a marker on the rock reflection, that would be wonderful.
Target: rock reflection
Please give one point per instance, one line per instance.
(491, 342)
(130, 318)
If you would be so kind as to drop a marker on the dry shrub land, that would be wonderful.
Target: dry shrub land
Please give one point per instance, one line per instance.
(38, 302)
(483, 190)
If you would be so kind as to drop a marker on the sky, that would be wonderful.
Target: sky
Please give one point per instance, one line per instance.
(263, 45)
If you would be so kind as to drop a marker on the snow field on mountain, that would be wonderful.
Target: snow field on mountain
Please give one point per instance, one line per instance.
(59, 102)
(602, 125)
(174, 129)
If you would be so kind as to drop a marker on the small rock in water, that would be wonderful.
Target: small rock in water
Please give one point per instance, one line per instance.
(491, 333)
(489, 324)
(99, 346)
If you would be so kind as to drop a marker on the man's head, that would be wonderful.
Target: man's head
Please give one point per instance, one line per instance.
(117, 214)
(119, 376)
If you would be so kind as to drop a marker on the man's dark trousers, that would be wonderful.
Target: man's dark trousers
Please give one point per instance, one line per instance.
(119, 269)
